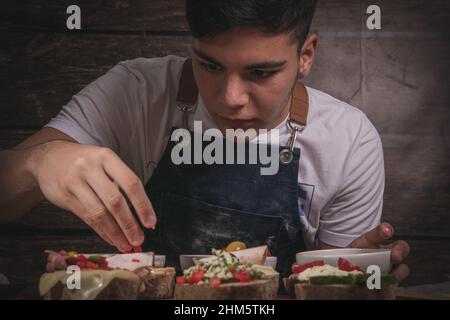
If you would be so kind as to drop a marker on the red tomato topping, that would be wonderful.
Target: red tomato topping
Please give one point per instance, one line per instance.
(104, 264)
(181, 280)
(70, 261)
(346, 265)
(91, 265)
(215, 282)
(137, 249)
(242, 276)
(197, 276)
(297, 268)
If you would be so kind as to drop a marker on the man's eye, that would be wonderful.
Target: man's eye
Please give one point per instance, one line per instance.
(210, 67)
(263, 74)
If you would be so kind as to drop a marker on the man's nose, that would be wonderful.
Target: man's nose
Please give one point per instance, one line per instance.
(235, 92)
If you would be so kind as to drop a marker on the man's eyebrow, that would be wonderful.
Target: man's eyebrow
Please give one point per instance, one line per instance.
(266, 65)
(206, 57)
(270, 64)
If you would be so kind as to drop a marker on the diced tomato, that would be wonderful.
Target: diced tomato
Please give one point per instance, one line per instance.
(197, 276)
(215, 282)
(242, 276)
(137, 249)
(297, 268)
(82, 258)
(81, 264)
(104, 264)
(135, 260)
(70, 261)
(346, 265)
(91, 265)
(181, 280)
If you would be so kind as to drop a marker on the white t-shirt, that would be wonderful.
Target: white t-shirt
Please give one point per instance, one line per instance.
(132, 108)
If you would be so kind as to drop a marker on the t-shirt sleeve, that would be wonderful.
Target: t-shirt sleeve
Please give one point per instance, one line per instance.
(358, 204)
(103, 113)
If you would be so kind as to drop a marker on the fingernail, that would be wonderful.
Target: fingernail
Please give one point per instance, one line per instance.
(151, 221)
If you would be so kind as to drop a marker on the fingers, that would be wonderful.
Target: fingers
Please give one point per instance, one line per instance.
(115, 203)
(399, 251)
(401, 272)
(375, 237)
(133, 188)
(91, 210)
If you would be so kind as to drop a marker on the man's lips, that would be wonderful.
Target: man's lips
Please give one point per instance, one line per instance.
(238, 123)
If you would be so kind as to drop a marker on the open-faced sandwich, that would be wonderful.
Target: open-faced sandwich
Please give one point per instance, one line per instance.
(319, 281)
(235, 275)
(106, 276)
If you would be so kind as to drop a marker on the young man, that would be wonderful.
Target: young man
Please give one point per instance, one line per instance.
(112, 139)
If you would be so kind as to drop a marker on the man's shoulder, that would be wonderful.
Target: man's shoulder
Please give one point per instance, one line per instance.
(336, 114)
(163, 63)
(160, 70)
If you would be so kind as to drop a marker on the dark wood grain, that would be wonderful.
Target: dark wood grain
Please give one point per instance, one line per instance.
(100, 16)
(39, 73)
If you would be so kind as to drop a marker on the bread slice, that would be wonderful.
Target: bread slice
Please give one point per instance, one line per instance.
(309, 291)
(343, 292)
(159, 282)
(95, 285)
(254, 290)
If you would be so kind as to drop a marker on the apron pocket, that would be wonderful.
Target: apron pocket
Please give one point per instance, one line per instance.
(193, 226)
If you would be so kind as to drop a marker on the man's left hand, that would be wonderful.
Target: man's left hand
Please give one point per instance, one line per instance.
(376, 238)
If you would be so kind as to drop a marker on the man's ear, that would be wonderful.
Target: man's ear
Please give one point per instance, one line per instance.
(307, 55)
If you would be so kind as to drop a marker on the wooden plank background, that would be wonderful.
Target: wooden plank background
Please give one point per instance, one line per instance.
(398, 76)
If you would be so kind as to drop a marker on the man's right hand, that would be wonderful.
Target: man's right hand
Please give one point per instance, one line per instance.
(91, 182)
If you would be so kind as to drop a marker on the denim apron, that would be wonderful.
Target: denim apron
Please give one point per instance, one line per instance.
(201, 206)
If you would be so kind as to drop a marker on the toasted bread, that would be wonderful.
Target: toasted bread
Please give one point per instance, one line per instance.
(159, 282)
(309, 291)
(254, 290)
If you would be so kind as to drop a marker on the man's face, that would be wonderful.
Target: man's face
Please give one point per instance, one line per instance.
(245, 77)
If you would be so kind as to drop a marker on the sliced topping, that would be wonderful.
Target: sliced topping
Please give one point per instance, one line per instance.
(92, 282)
(325, 270)
(298, 268)
(130, 261)
(215, 282)
(181, 280)
(235, 245)
(348, 266)
(225, 267)
(62, 259)
(197, 276)
(242, 276)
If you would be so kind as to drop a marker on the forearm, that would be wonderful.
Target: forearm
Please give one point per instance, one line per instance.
(19, 191)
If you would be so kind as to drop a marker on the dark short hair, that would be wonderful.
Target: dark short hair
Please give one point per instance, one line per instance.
(207, 18)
